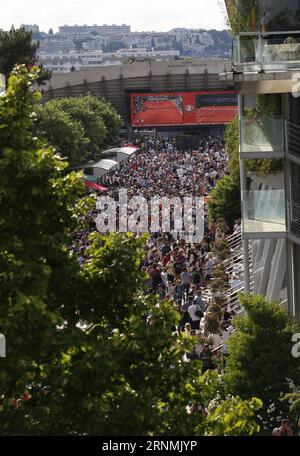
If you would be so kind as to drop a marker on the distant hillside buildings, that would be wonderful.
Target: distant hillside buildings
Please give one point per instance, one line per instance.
(77, 47)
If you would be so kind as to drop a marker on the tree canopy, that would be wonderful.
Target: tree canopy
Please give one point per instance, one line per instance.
(88, 125)
(261, 361)
(17, 47)
(226, 195)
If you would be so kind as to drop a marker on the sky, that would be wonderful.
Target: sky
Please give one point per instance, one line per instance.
(142, 15)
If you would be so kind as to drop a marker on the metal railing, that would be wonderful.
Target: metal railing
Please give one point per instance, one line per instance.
(293, 137)
(294, 211)
(293, 200)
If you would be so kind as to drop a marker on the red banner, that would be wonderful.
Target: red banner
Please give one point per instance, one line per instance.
(95, 186)
(183, 108)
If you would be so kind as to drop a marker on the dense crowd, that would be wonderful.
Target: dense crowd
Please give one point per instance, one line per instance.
(160, 169)
(176, 269)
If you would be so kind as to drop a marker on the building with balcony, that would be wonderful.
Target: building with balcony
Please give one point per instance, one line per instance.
(266, 72)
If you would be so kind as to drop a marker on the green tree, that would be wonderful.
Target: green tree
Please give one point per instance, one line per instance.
(226, 195)
(66, 134)
(293, 401)
(39, 210)
(108, 114)
(242, 16)
(235, 417)
(267, 107)
(92, 124)
(82, 332)
(17, 47)
(232, 148)
(226, 201)
(261, 362)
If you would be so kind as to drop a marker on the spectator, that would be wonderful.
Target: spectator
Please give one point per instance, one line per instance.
(195, 277)
(195, 315)
(185, 282)
(199, 302)
(209, 269)
(284, 430)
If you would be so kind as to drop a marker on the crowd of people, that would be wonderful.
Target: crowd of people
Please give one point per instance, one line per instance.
(160, 169)
(176, 269)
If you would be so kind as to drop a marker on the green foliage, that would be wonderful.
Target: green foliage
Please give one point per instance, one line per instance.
(263, 167)
(81, 331)
(104, 110)
(232, 148)
(261, 362)
(39, 210)
(88, 125)
(221, 249)
(235, 418)
(66, 134)
(231, 17)
(293, 400)
(212, 319)
(243, 17)
(16, 47)
(226, 201)
(267, 106)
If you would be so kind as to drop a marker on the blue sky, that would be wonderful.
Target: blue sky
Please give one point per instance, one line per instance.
(158, 15)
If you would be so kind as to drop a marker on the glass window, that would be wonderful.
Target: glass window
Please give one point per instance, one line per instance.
(264, 211)
(262, 128)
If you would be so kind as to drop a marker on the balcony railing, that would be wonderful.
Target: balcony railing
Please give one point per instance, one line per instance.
(262, 134)
(257, 51)
(294, 211)
(264, 211)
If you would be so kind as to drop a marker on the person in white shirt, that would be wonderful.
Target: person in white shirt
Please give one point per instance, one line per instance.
(192, 313)
(164, 277)
(209, 269)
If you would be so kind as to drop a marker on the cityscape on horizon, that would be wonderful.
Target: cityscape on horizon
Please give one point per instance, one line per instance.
(77, 47)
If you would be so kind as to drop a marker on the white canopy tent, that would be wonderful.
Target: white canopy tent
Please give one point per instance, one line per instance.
(126, 152)
(104, 166)
(120, 154)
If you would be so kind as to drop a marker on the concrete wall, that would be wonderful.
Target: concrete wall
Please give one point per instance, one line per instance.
(137, 70)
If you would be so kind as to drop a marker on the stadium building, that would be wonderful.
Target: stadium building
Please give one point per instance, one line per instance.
(170, 96)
